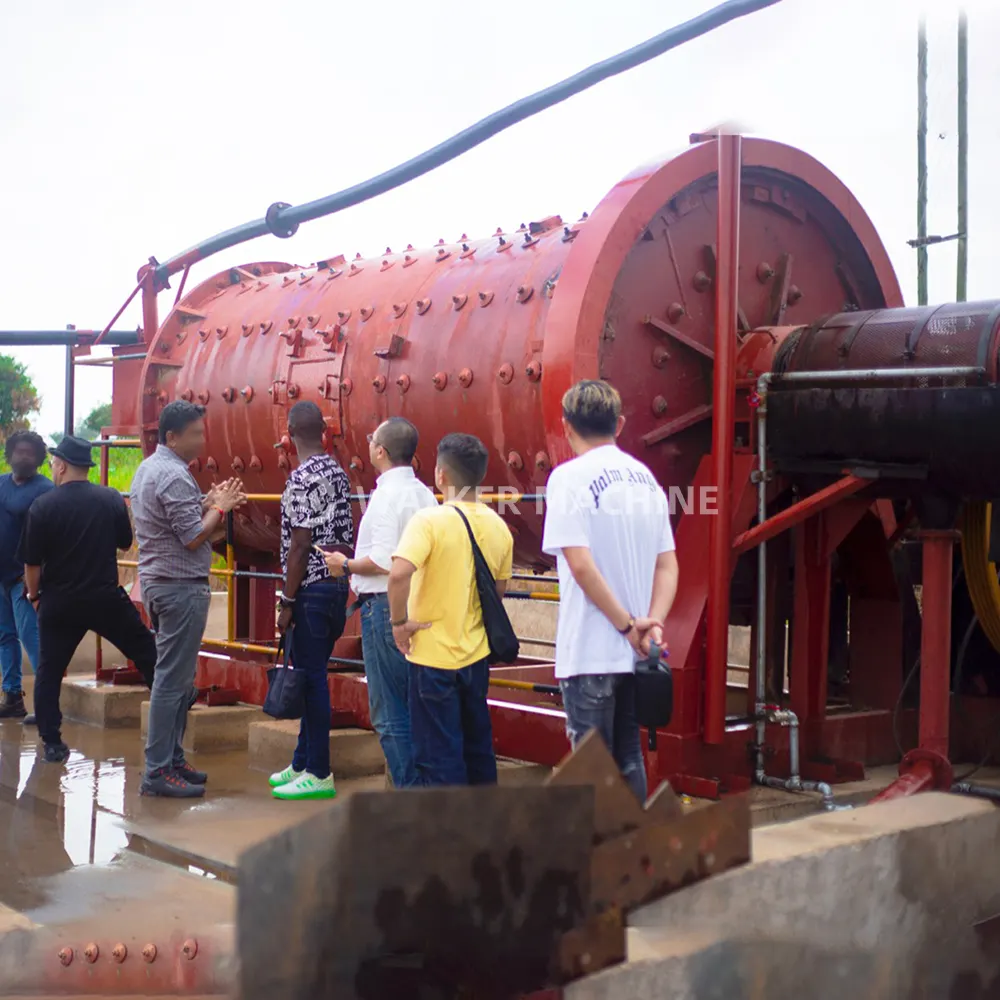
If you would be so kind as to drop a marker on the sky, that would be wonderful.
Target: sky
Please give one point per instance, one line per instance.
(136, 129)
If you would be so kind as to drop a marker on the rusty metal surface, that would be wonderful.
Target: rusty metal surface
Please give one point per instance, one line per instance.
(393, 893)
(924, 440)
(659, 858)
(616, 809)
(956, 334)
(495, 891)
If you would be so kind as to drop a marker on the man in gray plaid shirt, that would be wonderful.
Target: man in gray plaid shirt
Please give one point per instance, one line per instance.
(175, 527)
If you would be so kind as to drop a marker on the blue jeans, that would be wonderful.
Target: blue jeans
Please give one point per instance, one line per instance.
(450, 721)
(318, 622)
(388, 690)
(606, 702)
(18, 627)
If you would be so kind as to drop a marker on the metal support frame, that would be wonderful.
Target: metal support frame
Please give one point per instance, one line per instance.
(723, 403)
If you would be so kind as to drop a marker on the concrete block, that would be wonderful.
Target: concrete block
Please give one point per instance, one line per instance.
(696, 967)
(98, 704)
(892, 891)
(216, 727)
(519, 772)
(354, 753)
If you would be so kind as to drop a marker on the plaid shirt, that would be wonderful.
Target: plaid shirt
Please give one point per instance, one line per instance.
(317, 496)
(166, 510)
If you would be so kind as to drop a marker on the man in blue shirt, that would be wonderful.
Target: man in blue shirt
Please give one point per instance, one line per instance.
(25, 452)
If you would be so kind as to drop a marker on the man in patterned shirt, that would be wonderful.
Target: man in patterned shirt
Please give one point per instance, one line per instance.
(315, 517)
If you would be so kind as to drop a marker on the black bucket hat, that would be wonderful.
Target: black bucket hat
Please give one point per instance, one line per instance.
(74, 451)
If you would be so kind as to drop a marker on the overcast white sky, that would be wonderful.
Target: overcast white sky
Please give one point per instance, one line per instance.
(129, 129)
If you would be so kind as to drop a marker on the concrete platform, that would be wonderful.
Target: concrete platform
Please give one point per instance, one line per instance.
(98, 704)
(354, 753)
(889, 894)
(220, 727)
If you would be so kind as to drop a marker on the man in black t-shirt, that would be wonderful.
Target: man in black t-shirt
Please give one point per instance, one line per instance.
(69, 549)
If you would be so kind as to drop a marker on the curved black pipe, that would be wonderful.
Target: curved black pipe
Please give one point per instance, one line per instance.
(283, 221)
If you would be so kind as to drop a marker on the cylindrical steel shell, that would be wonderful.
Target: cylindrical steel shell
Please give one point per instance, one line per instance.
(937, 435)
(486, 335)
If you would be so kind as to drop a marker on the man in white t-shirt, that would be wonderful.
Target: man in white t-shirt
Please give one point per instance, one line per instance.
(397, 496)
(607, 522)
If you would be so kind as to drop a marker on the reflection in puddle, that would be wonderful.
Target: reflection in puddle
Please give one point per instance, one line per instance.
(93, 799)
(54, 818)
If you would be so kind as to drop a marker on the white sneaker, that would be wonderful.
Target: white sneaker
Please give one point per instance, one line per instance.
(283, 777)
(307, 786)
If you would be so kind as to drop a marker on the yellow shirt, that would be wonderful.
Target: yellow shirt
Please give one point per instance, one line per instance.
(443, 589)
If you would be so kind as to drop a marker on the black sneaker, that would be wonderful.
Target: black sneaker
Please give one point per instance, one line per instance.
(166, 783)
(29, 720)
(189, 774)
(56, 753)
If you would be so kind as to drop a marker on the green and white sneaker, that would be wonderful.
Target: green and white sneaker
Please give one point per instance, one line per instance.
(283, 777)
(306, 786)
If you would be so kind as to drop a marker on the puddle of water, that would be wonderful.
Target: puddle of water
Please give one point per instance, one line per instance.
(54, 818)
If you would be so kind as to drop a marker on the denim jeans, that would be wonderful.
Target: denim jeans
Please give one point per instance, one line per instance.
(318, 622)
(606, 702)
(178, 610)
(18, 627)
(388, 690)
(450, 721)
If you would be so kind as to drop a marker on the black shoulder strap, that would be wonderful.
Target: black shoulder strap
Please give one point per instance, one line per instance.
(477, 552)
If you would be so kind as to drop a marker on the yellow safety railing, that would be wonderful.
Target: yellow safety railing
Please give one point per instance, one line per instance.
(231, 573)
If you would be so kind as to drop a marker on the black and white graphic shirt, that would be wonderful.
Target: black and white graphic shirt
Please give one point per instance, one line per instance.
(317, 496)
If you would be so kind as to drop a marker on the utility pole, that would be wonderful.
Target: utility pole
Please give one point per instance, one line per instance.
(963, 156)
(922, 163)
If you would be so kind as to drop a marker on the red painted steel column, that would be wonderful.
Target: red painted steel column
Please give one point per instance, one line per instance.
(150, 316)
(935, 641)
(723, 401)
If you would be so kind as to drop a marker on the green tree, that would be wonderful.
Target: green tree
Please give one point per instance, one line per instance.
(18, 396)
(99, 416)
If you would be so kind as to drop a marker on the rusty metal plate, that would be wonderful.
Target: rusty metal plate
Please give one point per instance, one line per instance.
(398, 894)
(663, 805)
(616, 809)
(659, 858)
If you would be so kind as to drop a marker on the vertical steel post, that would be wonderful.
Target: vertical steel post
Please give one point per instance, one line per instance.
(69, 404)
(922, 162)
(935, 641)
(230, 579)
(963, 156)
(723, 402)
(150, 316)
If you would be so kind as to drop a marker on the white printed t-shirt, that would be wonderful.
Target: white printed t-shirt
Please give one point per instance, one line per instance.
(397, 496)
(609, 502)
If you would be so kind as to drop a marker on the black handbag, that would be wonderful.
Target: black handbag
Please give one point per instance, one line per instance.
(654, 693)
(286, 686)
(504, 647)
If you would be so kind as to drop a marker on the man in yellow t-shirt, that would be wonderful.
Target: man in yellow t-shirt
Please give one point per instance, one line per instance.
(437, 620)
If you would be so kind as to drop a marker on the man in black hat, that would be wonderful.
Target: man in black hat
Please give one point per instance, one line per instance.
(70, 552)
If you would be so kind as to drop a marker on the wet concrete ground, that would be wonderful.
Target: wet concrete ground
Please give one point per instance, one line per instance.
(78, 843)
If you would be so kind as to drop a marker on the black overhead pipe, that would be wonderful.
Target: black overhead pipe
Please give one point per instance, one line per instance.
(282, 219)
(61, 338)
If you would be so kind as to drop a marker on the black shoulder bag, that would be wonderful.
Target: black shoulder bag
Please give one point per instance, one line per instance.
(286, 686)
(504, 646)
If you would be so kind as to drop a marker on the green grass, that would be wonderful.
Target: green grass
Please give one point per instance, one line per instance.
(122, 464)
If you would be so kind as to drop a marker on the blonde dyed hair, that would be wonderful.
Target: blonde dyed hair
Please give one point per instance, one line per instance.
(592, 408)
